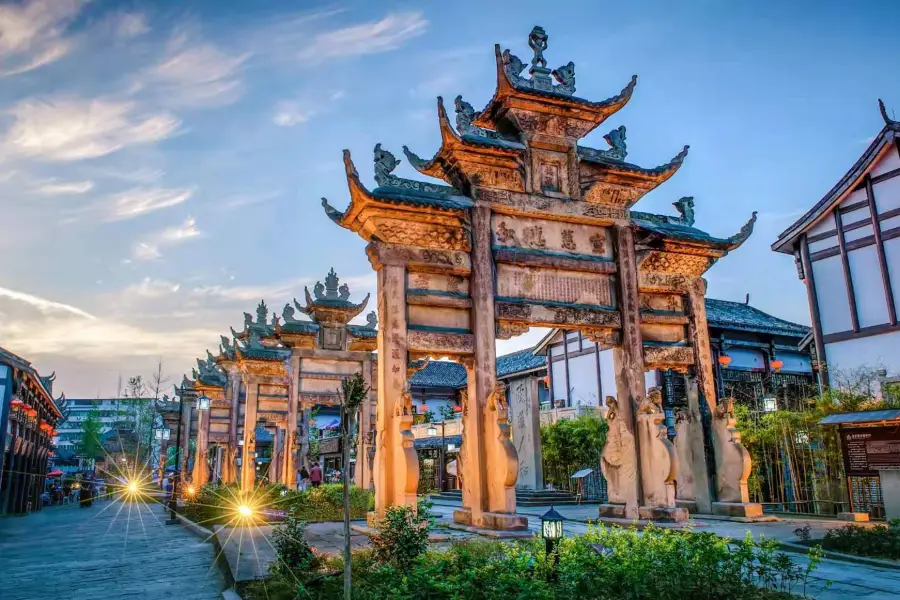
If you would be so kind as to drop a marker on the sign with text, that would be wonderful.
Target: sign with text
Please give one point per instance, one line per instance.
(871, 449)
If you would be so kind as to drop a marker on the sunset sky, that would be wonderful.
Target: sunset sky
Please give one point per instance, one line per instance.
(162, 163)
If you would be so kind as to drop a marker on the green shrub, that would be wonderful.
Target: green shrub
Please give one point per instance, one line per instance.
(882, 541)
(401, 537)
(293, 552)
(326, 503)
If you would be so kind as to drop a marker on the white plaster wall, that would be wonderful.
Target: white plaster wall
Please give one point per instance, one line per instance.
(889, 162)
(583, 380)
(890, 491)
(559, 381)
(607, 374)
(853, 198)
(830, 242)
(868, 289)
(860, 214)
(858, 234)
(834, 307)
(876, 351)
(892, 257)
(887, 194)
(651, 379)
(826, 224)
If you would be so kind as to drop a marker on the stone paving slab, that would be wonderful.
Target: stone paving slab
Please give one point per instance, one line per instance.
(67, 552)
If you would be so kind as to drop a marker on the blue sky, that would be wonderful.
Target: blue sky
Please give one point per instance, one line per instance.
(161, 163)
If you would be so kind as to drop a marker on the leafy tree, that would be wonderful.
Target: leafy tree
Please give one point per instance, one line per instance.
(572, 444)
(90, 445)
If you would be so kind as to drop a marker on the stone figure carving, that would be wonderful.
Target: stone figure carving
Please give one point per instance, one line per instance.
(732, 459)
(534, 237)
(659, 462)
(685, 208)
(344, 292)
(616, 140)
(598, 243)
(568, 240)
(537, 41)
(506, 234)
(262, 313)
(465, 114)
(319, 291)
(618, 460)
(372, 319)
(513, 65)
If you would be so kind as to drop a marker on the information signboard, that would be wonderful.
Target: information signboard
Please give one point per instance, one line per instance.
(868, 450)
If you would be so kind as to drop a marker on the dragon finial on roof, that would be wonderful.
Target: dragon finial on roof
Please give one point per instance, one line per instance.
(884, 115)
(685, 207)
(372, 320)
(385, 163)
(262, 313)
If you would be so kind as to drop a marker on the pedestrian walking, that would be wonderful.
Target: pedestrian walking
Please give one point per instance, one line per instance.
(315, 475)
(303, 478)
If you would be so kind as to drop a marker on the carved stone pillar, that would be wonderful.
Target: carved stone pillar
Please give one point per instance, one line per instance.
(289, 468)
(620, 457)
(303, 459)
(732, 459)
(692, 481)
(396, 463)
(232, 392)
(488, 456)
(248, 455)
(186, 419)
(363, 475)
(659, 462)
(200, 473)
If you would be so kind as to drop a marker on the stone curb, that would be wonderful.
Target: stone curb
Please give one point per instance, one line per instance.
(209, 535)
(195, 528)
(841, 556)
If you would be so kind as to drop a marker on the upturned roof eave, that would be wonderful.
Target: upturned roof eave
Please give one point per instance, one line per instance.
(882, 142)
(599, 111)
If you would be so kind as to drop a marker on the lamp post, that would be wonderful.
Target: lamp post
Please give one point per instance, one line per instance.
(162, 436)
(552, 532)
(173, 503)
(432, 431)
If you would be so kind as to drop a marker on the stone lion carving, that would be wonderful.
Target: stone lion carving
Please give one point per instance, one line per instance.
(565, 75)
(618, 461)
(732, 459)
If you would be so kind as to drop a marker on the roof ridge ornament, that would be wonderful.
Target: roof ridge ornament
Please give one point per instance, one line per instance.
(331, 285)
(685, 208)
(386, 162)
(372, 320)
(884, 115)
(541, 79)
(741, 236)
(617, 146)
(465, 114)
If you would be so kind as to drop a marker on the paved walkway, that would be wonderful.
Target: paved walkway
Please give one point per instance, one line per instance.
(66, 552)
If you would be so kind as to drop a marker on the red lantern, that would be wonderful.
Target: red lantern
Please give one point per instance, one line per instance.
(724, 360)
(457, 409)
(16, 404)
(776, 365)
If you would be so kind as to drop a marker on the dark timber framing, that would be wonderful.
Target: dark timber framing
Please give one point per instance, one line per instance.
(879, 246)
(848, 277)
(814, 310)
(566, 355)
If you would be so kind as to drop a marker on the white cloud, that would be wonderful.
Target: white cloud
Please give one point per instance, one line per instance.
(145, 251)
(150, 249)
(152, 288)
(288, 114)
(140, 201)
(75, 129)
(31, 33)
(242, 200)
(195, 75)
(180, 233)
(367, 38)
(129, 25)
(42, 304)
(58, 188)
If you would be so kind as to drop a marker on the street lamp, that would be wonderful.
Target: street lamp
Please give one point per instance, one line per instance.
(552, 531)
(173, 503)
(432, 431)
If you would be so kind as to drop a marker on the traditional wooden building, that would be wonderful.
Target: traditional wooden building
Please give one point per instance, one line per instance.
(532, 228)
(756, 356)
(28, 419)
(847, 252)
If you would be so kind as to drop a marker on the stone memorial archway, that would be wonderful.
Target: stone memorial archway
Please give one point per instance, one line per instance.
(534, 229)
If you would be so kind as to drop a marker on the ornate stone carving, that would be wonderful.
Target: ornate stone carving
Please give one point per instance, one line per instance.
(677, 358)
(618, 460)
(685, 208)
(506, 234)
(732, 459)
(424, 234)
(672, 262)
(568, 240)
(598, 243)
(510, 329)
(540, 74)
(741, 236)
(533, 237)
(617, 147)
(372, 319)
(659, 463)
(386, 162)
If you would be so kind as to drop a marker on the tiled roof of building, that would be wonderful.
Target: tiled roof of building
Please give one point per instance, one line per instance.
(737, 315)
(451, 374)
